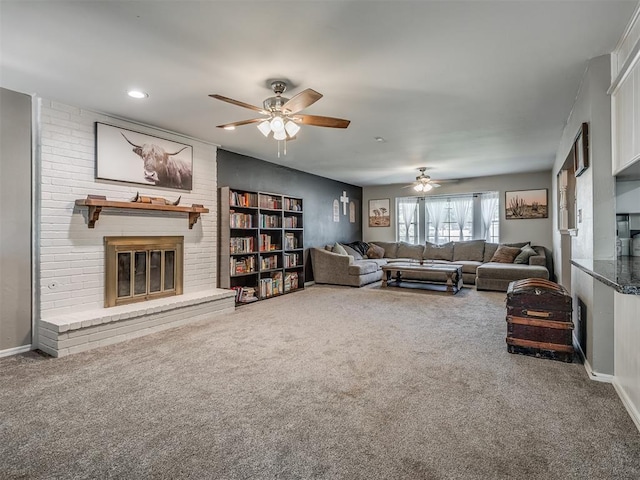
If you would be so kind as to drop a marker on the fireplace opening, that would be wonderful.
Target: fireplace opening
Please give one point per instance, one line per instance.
(142, 268)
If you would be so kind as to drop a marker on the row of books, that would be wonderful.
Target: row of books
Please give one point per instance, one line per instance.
(267, 244)
(270, 221)
(292, 222)
(242, 244)
(245, 294)
(238, 199)
(267, 201)
(294, 204)
(292, 260)
(242, 265)
(240, 220)
(290, 241)
(269, 263)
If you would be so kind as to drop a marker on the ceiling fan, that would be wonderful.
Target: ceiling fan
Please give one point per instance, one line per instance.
(423, 182)
(281, 114)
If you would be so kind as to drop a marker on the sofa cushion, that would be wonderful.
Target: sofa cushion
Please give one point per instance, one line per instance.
(516, 244)
(511, 271)
(408, 250)
(489, 250)
(526, 252)
(469, 250)
(375, 251)
(438, 252)
(353, 252)
(362, 268)
(468, 266)
(390, 248)
(339, 249)
(505, 254)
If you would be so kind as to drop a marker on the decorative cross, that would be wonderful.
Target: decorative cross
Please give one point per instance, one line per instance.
(345, 201)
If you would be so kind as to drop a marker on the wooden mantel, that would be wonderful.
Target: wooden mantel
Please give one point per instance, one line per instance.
(96, 203)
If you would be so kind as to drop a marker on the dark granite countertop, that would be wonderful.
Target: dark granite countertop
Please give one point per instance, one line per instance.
(623, 273)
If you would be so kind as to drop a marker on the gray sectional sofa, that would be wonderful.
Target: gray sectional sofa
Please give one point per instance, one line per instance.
(354, 269)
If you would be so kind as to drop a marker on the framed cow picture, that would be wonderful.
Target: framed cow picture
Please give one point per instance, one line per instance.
(126, 156)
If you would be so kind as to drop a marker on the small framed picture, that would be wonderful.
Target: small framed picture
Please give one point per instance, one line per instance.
(581, 148)
(379, 214)
(526, 204)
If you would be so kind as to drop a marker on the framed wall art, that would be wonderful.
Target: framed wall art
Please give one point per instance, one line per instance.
(581, 147)
(126, 156)
(379, 214)
(526, 204)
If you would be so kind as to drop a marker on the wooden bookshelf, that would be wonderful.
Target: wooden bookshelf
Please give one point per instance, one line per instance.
(260, 244)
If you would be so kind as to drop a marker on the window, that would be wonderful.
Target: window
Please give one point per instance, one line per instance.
(444, 218)
(407, 215)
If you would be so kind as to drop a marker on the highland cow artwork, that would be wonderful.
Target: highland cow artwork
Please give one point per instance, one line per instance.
(127, 156)
(526, 204)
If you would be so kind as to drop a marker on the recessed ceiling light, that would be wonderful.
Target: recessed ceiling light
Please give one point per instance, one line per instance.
(137, 94)
(379, 139)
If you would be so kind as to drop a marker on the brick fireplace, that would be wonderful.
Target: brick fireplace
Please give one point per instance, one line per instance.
(71, 313)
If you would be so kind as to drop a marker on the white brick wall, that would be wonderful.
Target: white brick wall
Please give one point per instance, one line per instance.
(72, 255)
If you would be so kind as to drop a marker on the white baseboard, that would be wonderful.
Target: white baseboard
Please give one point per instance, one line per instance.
(15, 350)
(308, 284)
(596, 376)
(628, 404)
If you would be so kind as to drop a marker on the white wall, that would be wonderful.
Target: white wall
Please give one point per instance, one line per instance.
(72, 255)
(537, 231)
(595, 197)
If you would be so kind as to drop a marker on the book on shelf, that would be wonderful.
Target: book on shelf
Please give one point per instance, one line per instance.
(290, 281)
(269, 263)
(243, 199)
(245, 294)
(269, 201)
(242, 244)
(291, 260)
(238, 266)
(293, 204)
(291, 222)
(240, 220)
(290, 241)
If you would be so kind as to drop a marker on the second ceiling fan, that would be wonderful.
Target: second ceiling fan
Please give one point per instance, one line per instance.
(281, 115)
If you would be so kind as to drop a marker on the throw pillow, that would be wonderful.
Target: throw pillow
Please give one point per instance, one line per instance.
(375, 251)
(505, 254)
(472, 250)
(390, 249)
(525, 253)
(353, 252)
(489, 250)
(359, 246)
(339, 249)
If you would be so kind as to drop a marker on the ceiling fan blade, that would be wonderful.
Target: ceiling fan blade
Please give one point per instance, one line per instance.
(238, 103)
(319, 121)
(241, 122)
(301, 101)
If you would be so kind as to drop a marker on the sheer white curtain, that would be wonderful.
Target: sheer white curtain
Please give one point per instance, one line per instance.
(462, 208)
(489, 203)
(436, 208)
(408, 209)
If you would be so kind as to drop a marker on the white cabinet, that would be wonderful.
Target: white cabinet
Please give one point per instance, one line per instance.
(625, 113)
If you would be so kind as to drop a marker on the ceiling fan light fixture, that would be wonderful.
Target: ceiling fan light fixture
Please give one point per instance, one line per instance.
(292, 128)
(280, 135)
(427, 187)
(277, 124)
(418, 187)
(265, 128)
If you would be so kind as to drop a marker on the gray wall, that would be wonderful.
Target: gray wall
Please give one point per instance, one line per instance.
(318, 194)
(537, 231)
(15, 211)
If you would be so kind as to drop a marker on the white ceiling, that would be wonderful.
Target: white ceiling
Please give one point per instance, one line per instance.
(465, 88)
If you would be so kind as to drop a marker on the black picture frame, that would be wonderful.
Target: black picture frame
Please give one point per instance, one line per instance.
(124, 155)
(581, 149)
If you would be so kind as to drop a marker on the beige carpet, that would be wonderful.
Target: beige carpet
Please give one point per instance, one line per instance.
(328, 383)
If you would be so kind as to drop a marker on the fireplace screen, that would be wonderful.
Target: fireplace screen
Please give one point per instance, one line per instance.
(142, 268)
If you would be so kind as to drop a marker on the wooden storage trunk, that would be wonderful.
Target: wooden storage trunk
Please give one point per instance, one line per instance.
(539, 319)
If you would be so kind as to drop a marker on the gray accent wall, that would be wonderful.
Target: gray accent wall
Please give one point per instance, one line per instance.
(15, 211)
(318, 194)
